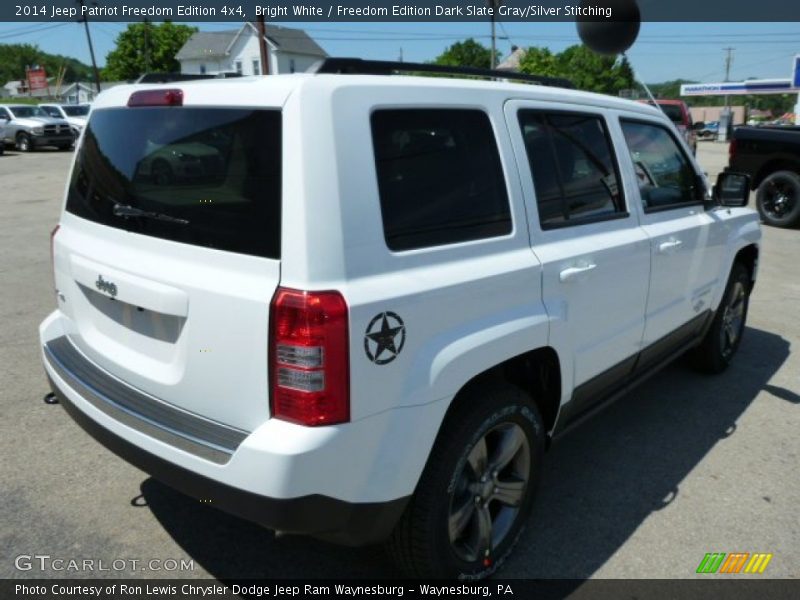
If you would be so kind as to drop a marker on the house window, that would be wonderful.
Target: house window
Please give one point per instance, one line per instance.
(238, 66)
(256, 67)
(202, 69)
(291, 65)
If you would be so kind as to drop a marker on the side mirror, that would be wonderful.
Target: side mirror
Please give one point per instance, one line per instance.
(732, 189)
(698, 125)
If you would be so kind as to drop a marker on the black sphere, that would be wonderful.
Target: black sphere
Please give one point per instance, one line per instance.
(610, 35)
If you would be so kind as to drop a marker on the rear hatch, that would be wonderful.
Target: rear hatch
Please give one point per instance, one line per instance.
(169, 253)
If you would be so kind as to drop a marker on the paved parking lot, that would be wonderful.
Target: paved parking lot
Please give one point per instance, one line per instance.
(685, 465)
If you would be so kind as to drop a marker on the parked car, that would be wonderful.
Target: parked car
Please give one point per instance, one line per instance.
(710, 130)
(771, 156)
(678, 112)
(370, 319)
(29, 127)
(74, 114)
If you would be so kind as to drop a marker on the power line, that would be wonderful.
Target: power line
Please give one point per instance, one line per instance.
(4, 36)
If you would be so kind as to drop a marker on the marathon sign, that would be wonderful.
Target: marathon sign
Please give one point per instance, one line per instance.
(742, 88)
(796, 72)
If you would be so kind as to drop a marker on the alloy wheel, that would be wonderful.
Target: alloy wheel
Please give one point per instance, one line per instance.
(779, 198)
(733, 319)
(489, 491)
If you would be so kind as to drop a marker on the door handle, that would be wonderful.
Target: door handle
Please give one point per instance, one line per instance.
(669, 247)
(575, 273)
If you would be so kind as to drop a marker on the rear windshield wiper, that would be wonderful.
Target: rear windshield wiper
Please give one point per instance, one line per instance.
(126, 211)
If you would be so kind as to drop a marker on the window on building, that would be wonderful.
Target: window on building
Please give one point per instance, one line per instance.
(440, 178)
(238, 66)
(202, 69)
(256, 67)
(291, 65)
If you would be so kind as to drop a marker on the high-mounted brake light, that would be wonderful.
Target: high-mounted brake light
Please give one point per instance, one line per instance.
(156, 98)
(309, 366)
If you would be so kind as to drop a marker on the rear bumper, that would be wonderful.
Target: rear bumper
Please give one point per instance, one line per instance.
(321, 516)
(345, 483)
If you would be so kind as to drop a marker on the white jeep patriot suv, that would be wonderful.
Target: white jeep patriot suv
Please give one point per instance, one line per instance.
(359, 306)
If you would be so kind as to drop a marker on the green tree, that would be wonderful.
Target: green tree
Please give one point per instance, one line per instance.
(468, 53)
(146, 47)
(540, 61)
(587, 70)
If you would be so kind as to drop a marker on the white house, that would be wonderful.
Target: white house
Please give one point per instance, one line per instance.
(237, 51)
(84, 92)
(14, 89)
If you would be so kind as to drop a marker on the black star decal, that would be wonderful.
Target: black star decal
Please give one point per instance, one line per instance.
(385, 338)
(386, 333)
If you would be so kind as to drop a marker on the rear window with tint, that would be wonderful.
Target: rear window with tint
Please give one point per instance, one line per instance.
(439, 177)
(203, 176)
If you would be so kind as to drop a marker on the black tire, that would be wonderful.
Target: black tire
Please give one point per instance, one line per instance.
(24, 143)
(443, 532)
(719, 346)
(778, 199)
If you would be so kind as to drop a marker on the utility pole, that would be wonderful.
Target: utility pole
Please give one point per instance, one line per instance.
(146, 46)
(91, 49)
(262, 45)
(494, 46)
(728, 62)
(726, 118)
(494, 5)
(401, 54)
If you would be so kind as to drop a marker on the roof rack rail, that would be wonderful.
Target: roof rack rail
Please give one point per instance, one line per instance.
(359, 66)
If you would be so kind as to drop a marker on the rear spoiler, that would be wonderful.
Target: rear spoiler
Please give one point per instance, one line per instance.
(172, 77)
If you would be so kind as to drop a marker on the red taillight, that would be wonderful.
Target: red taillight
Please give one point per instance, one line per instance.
(156, 98)
(731, 152)
(52, 249)
(309, 366)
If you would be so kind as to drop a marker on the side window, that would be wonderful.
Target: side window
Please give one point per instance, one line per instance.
(666, 177)
(439, 177)
(574, 172)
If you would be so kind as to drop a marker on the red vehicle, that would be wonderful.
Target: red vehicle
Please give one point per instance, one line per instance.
(678, 112)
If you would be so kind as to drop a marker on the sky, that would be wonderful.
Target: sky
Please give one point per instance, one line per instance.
(663, 52)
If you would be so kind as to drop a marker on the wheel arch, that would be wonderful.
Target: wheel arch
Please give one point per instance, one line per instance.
(748, 256)
(782, 163)
(537, 372)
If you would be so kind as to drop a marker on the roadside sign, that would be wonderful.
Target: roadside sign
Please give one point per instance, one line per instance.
(796, 72)
(37, 79)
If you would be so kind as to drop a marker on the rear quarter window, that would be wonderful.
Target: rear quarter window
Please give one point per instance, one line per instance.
(440, 178)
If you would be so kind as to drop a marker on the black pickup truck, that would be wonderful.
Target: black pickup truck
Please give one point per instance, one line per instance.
(771, 156)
